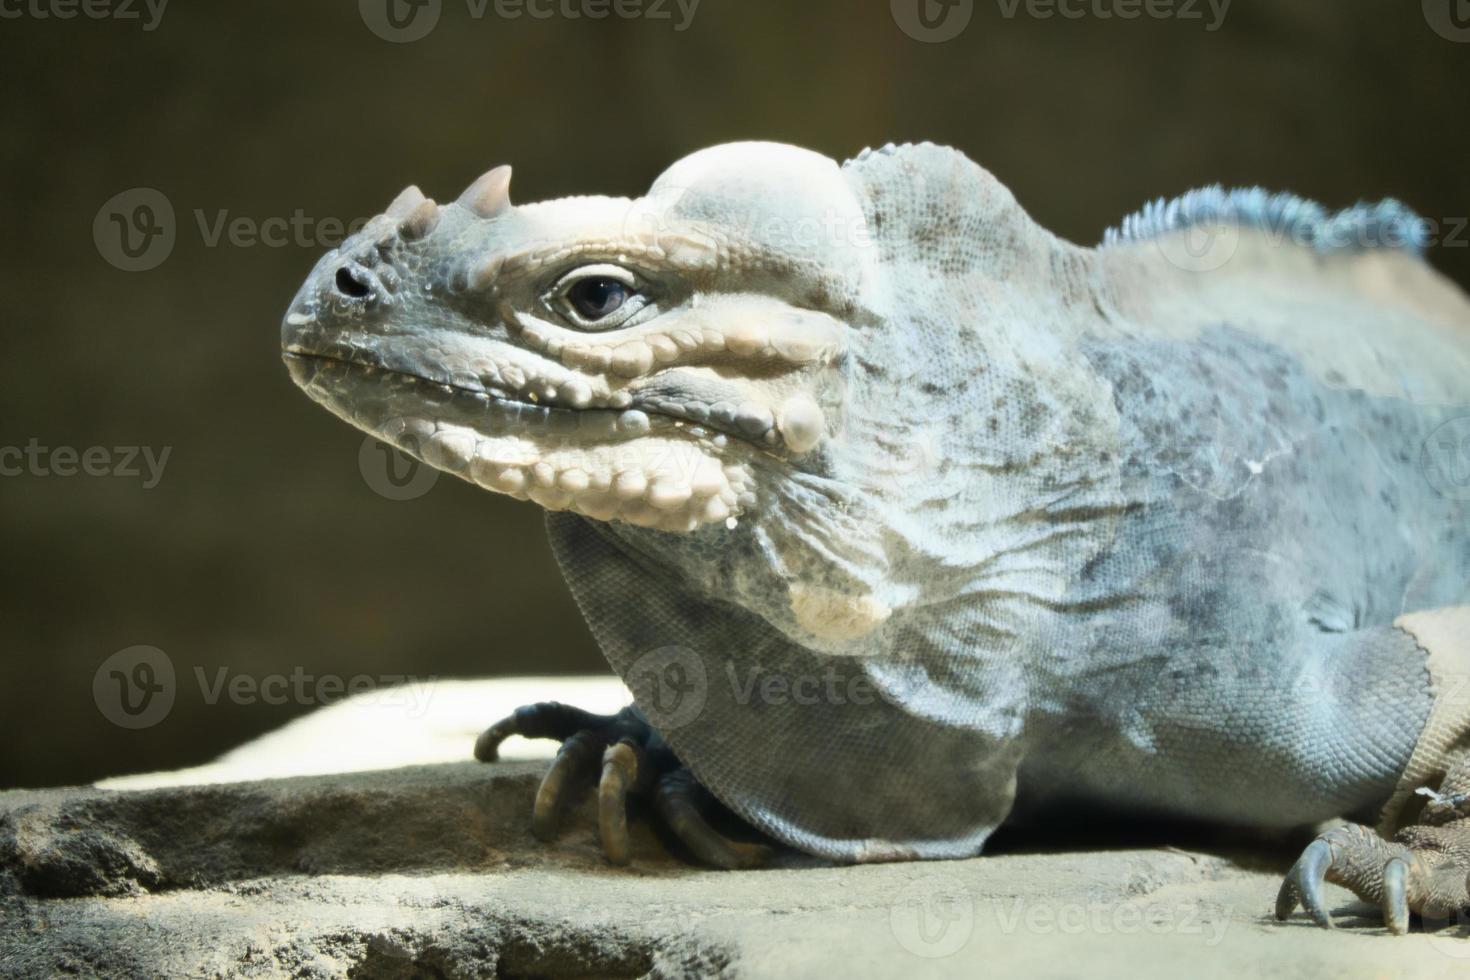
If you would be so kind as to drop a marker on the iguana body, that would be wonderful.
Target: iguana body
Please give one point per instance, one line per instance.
(1014, 524)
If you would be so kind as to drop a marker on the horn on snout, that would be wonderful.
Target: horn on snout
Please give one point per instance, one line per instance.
(408, 199)
(489, 196)
(415, 214)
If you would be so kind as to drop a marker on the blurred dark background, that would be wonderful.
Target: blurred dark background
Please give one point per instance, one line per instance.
(263, 548)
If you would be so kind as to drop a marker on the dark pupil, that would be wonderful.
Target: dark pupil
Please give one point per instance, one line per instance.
(598, 296)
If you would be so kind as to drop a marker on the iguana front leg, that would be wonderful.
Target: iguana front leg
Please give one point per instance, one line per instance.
(1425, 869)
(636, 762)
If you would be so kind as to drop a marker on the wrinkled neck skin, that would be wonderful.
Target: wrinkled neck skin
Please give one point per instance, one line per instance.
(969, 471)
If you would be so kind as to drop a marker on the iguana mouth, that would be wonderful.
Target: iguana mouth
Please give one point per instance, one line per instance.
(637, 418)
(302, 364)
(646, 469)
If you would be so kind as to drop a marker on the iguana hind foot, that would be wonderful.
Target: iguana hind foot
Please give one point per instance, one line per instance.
(1425, 869)
(635, 763)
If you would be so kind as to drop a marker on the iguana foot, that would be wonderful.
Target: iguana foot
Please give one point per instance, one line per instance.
(1423, 870)
(635, 762)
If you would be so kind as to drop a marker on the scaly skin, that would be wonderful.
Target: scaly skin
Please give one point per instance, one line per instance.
(1042, 525)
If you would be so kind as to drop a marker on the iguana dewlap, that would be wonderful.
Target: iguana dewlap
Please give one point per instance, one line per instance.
(1174, 525)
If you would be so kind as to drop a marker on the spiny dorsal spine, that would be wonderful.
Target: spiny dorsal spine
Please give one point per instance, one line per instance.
(1386, 224)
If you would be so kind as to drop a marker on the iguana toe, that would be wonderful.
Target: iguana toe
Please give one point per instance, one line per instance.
(635, 762)
(545, 719)
(571, 773)
(1395, 902)
(1303, 884)
(677, 801)
(622, 764)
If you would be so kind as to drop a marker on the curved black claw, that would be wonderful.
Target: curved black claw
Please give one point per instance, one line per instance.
(635, 761)
(677, 801)
(1303, 884)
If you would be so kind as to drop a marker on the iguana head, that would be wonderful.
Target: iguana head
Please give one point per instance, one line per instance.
(860, 369)
(649, 361)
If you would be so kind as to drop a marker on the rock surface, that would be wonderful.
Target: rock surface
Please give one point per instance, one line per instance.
(431, 871)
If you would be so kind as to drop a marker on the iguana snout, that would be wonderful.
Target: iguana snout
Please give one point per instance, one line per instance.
(640, 360)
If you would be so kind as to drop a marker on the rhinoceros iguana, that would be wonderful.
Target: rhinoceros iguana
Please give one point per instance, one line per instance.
(900, 515)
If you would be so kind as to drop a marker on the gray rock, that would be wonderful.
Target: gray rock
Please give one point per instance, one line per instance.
(431, 871)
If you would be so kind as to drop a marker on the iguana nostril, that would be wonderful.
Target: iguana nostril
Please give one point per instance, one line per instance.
(350, 285)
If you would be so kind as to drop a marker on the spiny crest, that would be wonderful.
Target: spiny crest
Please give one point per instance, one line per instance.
(1386, 224)
(890, 149)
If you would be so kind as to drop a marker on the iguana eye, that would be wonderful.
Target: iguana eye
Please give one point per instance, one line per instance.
(599, 297)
